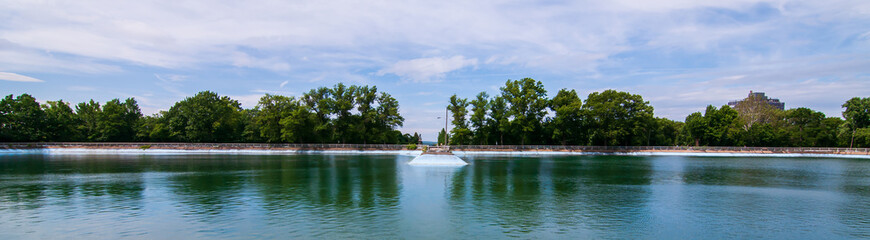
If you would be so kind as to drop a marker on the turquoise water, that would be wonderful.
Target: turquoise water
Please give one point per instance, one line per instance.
(381, 197)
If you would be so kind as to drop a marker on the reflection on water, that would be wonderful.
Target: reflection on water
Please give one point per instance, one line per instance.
(356, 196)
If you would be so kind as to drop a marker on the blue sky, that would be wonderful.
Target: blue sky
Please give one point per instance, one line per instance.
(679, 55)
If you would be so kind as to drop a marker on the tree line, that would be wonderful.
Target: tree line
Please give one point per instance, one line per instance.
(522, 114)
(341, 114)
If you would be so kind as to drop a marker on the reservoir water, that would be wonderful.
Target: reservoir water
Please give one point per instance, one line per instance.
(44, 196)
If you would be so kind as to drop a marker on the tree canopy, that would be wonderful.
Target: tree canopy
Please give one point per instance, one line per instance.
(342, 114)
(520, 113)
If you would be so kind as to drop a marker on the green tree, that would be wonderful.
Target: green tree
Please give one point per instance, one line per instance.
(665, 132)
(319, 100)
(499, 119)
(342, 102)
(205, 117)
(88, 115)
(458, 108)
(528, 102)
(367, 125)
(765, 135)
(805, 127)
(61, 122)
(270, 110)
(23, 119)
(723, 126)
(479, 107)
(696, 127)
(118, 121)
(618, 118)
(297, 125)
(829, 132)
(857, 115)
(154, 128)
(567, 123)
(388, 117)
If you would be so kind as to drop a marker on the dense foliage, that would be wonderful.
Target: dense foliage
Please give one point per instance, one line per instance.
(342, 114)
(522, 114)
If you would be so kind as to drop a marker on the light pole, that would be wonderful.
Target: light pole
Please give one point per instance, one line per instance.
(445, 125)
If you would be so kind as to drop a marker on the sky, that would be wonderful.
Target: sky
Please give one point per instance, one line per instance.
(679, 55)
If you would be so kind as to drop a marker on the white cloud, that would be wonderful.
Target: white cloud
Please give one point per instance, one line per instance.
(275, 35)
(170, 85)
(680, 54)
(819, 83)
(427, 69)
(241, 59)
(8, 76)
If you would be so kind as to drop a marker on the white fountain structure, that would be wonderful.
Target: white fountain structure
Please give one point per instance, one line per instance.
(437, 156)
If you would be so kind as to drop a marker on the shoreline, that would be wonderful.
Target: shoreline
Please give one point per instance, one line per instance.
(135, 149)
(396, 149)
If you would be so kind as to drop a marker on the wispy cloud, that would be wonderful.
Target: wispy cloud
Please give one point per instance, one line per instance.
(681, 55)
(8, 76)
(168, 84)
(427, 69)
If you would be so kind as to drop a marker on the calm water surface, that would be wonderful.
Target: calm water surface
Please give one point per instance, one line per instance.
(381, 197)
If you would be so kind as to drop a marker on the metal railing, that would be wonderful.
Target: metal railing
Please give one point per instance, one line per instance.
(575, 148)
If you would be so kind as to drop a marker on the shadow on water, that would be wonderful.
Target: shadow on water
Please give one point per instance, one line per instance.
(381, 197)
(557, 194)
(33, 181)
(339, 191)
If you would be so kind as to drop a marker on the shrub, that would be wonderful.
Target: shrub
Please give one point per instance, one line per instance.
(412, 146)
(143, 147)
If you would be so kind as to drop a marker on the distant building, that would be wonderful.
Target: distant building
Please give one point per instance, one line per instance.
(760, 95)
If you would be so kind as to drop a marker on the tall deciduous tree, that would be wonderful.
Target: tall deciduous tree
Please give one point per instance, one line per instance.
(805, 126)
(23, 119)
(343, 100)
(319, 101)
(118, 121)
(567, 123)
(723, 126)
(270, 110)
(696, 127)
(528, 102)
(88, 115)
(857, 115)
(479, 107)
(61, 122)
(499, 119)
(206, 117)
(618, 118)
(388, 117)
(458, 108)
(367, 124)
